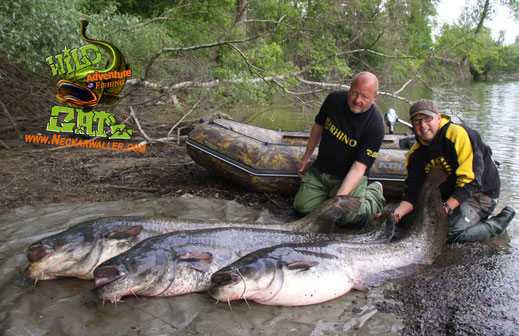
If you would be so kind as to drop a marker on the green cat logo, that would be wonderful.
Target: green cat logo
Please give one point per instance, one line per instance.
(88, 87)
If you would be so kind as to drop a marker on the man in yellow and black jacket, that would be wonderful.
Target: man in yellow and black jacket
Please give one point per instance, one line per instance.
(472, 187)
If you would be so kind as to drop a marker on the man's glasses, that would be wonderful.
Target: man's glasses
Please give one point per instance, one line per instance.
(416, 122)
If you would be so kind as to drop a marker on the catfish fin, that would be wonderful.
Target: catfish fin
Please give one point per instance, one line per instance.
(125, 232)
(110, 99)
(360, 287)
(349, 203)
(436, 176)
(301, 265)
(199, 261)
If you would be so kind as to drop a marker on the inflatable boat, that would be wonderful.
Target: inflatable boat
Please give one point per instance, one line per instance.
(266, 160)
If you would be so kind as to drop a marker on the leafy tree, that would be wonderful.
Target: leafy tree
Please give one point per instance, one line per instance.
(248, 49)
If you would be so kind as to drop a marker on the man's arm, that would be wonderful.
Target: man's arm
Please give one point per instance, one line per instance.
(470, 166)
(401, 210)
(352, 179)
(452, 203)
(405, 207)
(313, 140)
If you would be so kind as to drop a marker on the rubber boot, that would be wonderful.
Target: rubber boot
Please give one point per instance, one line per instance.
(485, 229)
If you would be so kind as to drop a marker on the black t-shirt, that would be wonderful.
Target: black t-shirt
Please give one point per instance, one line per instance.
(347, 136)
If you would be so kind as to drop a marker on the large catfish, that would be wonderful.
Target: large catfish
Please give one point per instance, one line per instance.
(182, 262)
(76, 251)
(309, 273)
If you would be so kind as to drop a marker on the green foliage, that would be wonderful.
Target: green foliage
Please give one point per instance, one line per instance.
(33, 30)
(322, 40)
(483, 54)
(509, 55)
(480, 52)
(95, 7)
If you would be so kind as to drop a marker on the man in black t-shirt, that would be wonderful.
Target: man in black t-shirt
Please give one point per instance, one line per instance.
(349, 131)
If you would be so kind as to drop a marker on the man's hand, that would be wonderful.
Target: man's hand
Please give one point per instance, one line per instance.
(302, 167)
(400, 211)
(396, 216)
(313, 141)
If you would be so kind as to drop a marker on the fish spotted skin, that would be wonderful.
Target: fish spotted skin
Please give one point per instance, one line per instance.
(177, 263)
(75, 252)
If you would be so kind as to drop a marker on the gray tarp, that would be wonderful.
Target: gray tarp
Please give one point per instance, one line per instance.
(66, 306)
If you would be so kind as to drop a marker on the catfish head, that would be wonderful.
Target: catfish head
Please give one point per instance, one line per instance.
(149, 269)
(257, 277)
(76, 251)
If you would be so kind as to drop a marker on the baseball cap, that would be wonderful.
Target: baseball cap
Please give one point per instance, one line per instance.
(423, 106)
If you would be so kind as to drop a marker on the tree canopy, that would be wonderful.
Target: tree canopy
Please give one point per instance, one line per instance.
(243, 50)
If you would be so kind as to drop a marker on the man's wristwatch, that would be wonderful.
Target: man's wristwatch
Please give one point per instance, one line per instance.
(448, 208)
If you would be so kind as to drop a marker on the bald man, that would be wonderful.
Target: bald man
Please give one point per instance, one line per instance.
(349, 131)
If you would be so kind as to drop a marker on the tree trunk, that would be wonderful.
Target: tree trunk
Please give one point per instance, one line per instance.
(483, 17)
(241, 12)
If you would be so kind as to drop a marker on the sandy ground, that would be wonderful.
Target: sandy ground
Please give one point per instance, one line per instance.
(468, 291)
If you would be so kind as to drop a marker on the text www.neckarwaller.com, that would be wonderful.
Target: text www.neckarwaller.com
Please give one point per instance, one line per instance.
(63, 141)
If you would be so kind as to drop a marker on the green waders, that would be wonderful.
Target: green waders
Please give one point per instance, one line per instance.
(317, 188)
(469, 222)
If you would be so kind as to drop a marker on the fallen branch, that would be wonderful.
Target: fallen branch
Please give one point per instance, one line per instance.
(372, 52)
(346, 87)
(145, 136)
(403, 86)
(181, 119)
(443, 59)
(275, 79)
(7, 114)
(168, 139)
(208, 84)
(190, 48)
(3, 144)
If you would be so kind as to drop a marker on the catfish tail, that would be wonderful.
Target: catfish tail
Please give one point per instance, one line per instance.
(389, 224)
(115, 54)
(324, 217)
(436, 177)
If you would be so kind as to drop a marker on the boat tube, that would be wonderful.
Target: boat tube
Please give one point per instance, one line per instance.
(266, 160)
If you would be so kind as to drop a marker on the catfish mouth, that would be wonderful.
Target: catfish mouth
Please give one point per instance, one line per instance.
(227, 285)
(37, 268)
(74, 93)
(106, 274)
(224, 278)
(38, 252)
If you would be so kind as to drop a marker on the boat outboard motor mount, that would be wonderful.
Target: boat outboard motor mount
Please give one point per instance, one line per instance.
(392, 118)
